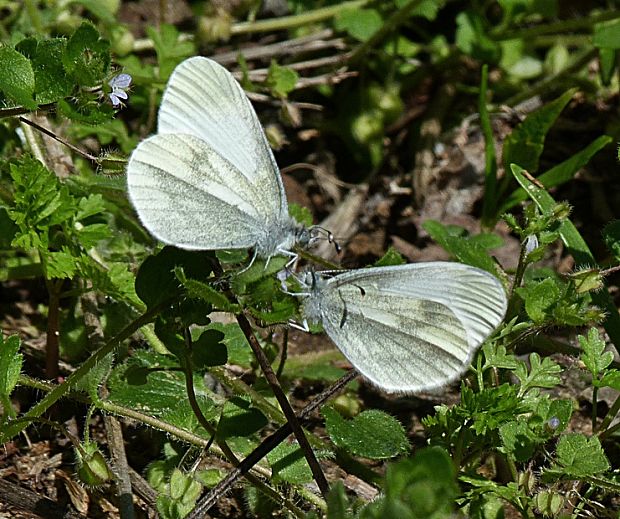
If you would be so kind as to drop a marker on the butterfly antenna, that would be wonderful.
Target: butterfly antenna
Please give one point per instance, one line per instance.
(325, 234)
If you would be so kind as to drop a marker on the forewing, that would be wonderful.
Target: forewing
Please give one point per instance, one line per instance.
(411, 327)
(187, 195)
(203, 99)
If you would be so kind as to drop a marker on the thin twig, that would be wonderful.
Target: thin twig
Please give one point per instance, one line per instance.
(274, 383)
(278, 392)
(116, 443)
(266, 446)
(313, 42)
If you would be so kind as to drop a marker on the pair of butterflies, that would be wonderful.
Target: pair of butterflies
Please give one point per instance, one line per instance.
(208, 180)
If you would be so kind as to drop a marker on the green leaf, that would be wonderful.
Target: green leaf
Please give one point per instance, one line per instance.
(391, 257)
(543, 373)
(59, 265)
(239, 351)
(423, 487)
(471, 37)
(151, 383)
(281, 80)
(116, 281)
(170, 50)
(289, 465)
(100, 9)
(578, 456)
(526, 142)
(577, 247)
(611, 236)
(209, 350)
(607, 34)
(17, 78)
(372, 434)
(199, 290)
(337, 503)
(361, 24)
(87, 56)
(611, 378)
(96, 377)
(593, 354)
(240, 418)
(518, 440)
(40, 202)
(10, 365)
(540, 299)
(495, 356)
(467, 249)
(562, 172)
(156, 280)
(51, 80)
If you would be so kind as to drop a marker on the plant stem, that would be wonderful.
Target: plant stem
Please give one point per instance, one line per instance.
(571, 25)
(266, 446)
(289, 22)
(63, 389)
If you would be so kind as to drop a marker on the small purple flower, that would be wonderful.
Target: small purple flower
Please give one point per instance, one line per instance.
(553, 423)
(119, 85)
(531, 243)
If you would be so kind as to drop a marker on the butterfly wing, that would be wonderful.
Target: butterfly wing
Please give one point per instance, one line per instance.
(208, 179)
(188, 195)
(412, 327)
(203, 99)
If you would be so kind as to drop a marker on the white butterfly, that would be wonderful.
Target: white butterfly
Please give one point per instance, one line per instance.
(208, 179)
(407, 328)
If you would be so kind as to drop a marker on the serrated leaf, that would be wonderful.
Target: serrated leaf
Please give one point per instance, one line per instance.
(577, 247)
(40, 201)
(578, 456)
(540, 299)
(543, 373)
(611, 378)
(17, 78)
(372, 434)
(526, 142)
(199, 290)
(51, 80)
(87, 56)
(117, 281)
(289, 464)
(10, 364)
(495, 356)
(518, 440)
(467, 249)
(96, 377)
(593, 355)
(281, 80)
(151, 383)
(59, 264)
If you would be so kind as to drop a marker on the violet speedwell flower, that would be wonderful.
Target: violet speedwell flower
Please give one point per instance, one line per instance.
(119, 85)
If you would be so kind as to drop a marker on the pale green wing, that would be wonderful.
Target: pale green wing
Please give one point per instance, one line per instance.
(412, 327)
